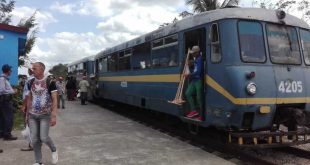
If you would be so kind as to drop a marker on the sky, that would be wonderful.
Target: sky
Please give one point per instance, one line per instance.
(72, 29)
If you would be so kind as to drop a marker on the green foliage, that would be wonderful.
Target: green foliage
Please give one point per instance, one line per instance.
(31, 37)
(59, 70)
(17, 102)
(304, 7)
(285, 5)
(5, 9)
(203, 5)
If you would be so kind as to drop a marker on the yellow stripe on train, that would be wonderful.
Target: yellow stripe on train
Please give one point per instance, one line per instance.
(212, 83)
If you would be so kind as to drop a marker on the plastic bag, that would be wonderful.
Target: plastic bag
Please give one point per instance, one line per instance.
(79, 94)
(26, 134)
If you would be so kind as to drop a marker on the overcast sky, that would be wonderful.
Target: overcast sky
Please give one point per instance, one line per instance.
(73, 29)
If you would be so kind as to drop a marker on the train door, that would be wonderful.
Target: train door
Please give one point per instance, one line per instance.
(196, 37)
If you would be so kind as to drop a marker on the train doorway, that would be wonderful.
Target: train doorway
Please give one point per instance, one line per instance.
(194, 92)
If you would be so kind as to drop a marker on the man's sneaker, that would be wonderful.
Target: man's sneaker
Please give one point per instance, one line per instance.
(193, 114)
(38, 164)
(54, 157)
(190, 113)
(199, 118)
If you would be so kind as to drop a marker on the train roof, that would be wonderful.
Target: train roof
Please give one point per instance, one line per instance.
(90, 58)
(207, 17)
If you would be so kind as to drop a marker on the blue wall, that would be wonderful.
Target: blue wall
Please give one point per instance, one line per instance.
(9, 52)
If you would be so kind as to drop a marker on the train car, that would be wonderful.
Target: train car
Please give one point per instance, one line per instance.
(256, 73)
(84, 67)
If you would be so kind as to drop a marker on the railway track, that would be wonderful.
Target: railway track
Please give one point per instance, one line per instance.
(295, 151)
(207, 139)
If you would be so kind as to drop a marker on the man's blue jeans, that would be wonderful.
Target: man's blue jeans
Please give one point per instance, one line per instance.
(39, 129)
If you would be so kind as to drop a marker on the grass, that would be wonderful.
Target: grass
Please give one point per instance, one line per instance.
(18, 120)
(18, 116)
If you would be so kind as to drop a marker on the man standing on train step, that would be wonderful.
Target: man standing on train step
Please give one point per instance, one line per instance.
(194, 90)
(42, 112)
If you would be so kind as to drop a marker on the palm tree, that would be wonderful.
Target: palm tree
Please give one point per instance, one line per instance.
(203, 5)
(206, 5)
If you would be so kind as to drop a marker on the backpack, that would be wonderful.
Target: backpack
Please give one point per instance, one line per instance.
(48, 84)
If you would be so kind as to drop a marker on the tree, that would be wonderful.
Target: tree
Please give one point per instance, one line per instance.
(302, 6)
(59, 70)
(31, 37)
(183, 14)
(200, 6)
(285, 5)
(5, 10)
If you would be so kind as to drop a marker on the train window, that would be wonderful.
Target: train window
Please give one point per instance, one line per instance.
(112, 62)
(124, 60)
(251, 41)
(215, 44)
(121, 54)
(127, 52)
(305, 44)
(80, 66)
(171, 39)
(165, 57)
(141, 56)
(103, 64)
(158, 43)
(283, 44)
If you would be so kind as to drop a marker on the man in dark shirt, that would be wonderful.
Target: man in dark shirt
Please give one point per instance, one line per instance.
(6, 104)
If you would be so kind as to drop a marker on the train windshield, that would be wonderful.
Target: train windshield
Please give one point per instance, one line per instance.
(283, 44)
(305, 44)
(251, 41)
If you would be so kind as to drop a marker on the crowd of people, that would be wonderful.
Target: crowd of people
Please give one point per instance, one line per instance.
(42, 97)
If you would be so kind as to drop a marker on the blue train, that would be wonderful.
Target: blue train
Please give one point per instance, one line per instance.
(256, 65)
(84, 67)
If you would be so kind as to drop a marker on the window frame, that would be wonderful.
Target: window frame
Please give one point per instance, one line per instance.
(302, 46)
(264, 41)
(136, 59)
(126, 53)
(164, 45)
(214, 43)
(298, 40)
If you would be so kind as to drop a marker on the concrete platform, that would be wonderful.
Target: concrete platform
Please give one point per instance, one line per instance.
(91, 135)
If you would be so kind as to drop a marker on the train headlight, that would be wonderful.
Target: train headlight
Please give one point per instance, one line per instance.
(251, 88)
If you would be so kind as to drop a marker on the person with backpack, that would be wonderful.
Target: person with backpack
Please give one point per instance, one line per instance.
(42, 112)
